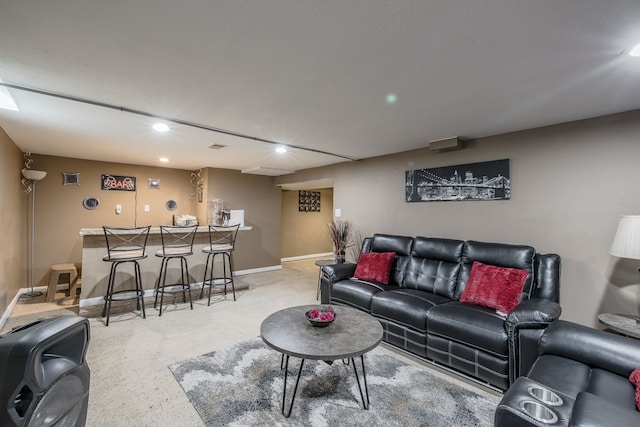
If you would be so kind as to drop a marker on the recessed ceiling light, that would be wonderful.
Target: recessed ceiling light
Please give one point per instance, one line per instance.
(160, 127)
(164, 160)
(391, 98)
(635, 51)
(281, 149)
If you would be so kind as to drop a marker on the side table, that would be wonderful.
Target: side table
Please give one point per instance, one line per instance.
(320, 263)
(623, 323)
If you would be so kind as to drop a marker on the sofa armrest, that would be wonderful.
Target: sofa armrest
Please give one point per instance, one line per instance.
(524, 326)
(593, 347)
(331, 274)
(590, 411)
(534, 313)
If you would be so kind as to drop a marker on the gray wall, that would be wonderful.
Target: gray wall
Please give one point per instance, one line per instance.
(570, 184)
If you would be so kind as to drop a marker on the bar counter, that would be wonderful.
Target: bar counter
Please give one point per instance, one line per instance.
(95, 271)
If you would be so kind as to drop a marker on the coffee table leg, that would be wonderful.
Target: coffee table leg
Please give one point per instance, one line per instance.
(365, 403)
(295, 388)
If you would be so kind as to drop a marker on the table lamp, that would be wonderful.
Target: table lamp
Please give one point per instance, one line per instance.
(626, 243)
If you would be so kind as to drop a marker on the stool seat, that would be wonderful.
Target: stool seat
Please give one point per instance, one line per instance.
(58, 270)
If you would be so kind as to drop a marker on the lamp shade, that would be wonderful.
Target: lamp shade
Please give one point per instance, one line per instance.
(626, 243)
(33, 175)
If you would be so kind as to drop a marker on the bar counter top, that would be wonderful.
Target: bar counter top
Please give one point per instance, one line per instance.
(153, 230)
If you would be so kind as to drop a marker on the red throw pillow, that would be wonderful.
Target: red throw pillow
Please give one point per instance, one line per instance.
(374, 267)
(635, 380)
(494, 287)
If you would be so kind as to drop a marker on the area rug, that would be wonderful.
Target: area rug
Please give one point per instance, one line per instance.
(242, 386)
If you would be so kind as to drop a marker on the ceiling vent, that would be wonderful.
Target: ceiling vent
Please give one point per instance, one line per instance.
(216, 146)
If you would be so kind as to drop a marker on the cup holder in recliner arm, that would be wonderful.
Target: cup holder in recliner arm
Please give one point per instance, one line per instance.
(538, 412)
(545, 395)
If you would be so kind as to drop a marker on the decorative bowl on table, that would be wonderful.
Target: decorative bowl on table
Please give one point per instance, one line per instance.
(321, 316)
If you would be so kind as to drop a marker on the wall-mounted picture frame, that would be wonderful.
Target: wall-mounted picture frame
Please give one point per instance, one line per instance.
(308, 201)
(171, 205)
(70, 178)
(154, 183)
(90, 203)
(472, 181)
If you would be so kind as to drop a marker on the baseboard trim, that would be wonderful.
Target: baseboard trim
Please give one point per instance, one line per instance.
(14, 301)
(301, 257)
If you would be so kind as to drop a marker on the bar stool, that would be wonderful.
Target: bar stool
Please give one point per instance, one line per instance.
(177, 243)
(125, 245)
(57, 270)
(222, 241)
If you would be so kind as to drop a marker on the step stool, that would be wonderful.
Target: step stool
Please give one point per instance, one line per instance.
(58, 270)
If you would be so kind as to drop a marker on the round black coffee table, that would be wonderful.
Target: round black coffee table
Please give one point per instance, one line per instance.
(352, 334)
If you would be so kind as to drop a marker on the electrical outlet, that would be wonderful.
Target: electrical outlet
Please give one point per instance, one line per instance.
(338, 213)
(147, 208)
(118, 209)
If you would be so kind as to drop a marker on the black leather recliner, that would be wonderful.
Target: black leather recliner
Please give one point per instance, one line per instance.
(587, 369)
(420, 312)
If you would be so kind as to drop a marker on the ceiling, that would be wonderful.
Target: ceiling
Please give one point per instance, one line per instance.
(355, 78)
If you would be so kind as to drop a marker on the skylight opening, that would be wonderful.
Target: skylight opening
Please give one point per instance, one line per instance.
(6, 100)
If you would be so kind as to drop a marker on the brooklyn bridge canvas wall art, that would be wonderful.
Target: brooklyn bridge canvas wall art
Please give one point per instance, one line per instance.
(471, 181)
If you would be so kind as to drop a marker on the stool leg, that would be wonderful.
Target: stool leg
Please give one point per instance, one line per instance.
(139, 289)
(185, 281)
(163, 268)
(106, 311)
(211, 276)
(155, 300)
(233, 287)
(204, 280)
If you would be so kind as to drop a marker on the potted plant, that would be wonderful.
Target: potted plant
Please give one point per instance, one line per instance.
(341, 234)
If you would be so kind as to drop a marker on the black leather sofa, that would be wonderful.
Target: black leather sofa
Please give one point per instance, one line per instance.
(588, 369)
(420, 312)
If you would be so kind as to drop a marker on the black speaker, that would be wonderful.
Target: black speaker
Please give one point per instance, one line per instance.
(44, 375)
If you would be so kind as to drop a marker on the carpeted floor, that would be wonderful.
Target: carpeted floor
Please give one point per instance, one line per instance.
(130, 382)
(242, 386)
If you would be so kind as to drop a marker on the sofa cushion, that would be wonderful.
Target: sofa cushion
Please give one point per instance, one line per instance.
(374, 267)
(407, 307)
(434, 265)
(634, 378)
(356, 293)
(472, 325)
(501, 255)
(494, 287)
(401, 245)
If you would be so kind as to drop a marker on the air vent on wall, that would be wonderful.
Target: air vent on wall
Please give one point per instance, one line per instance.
(216, 146)
(446, 144)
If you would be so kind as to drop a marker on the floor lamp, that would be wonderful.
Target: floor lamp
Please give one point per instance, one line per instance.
(33, 176)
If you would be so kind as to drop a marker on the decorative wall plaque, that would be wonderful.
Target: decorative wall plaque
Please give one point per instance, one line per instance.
(70, 178)
(154, 183)
(90, 203)
(308, 201)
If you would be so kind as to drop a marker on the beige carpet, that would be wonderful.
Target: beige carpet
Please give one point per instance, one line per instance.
(131, 384)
